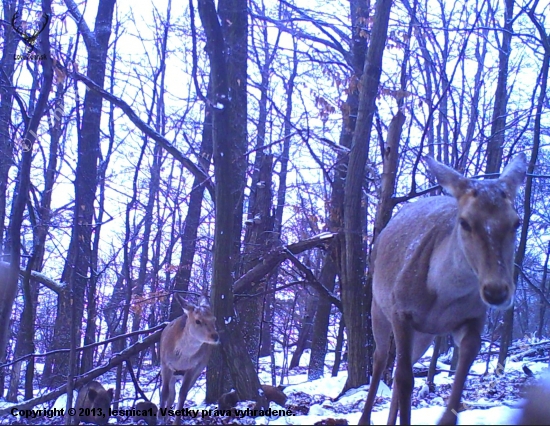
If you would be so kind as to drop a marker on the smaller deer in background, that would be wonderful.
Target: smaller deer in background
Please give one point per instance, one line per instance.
(93, 401)
(185, 347)
(147, 413)
(230, 399)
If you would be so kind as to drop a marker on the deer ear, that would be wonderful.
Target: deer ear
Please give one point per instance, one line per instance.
(204, 301)
(186, 306)
(514, 174)
(452, 181)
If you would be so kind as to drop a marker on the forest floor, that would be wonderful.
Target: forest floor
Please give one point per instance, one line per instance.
(489, 398)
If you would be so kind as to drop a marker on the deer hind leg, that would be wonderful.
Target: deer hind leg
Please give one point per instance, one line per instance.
(167, 392)
(468, 339)
(381, 328)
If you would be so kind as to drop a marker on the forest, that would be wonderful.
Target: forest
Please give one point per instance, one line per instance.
(234, 162)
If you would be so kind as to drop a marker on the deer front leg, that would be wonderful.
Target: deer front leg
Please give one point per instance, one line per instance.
(187, 383)
(404, 378)
(468, 339)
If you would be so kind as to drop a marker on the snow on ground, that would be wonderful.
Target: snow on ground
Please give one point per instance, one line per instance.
(490, 399)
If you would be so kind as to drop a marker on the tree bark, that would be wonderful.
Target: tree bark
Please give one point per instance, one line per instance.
(8, 290)
(496, 140)
(354, 293)
(226, 45)
(359, 12)
(25, 340)
(192, 220)
(508, 327)
(77, 267)
(258, 241)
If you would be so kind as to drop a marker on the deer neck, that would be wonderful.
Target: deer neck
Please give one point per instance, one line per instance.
(188, 343)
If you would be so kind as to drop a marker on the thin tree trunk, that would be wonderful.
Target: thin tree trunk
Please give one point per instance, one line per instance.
(542, 85)
(338, 348)
(9, 288)
(304, 335)
(355, 295)
(79, 258)
(545, 292)
(228, 32)
(359, 12)
(25, 340)
(192, 220)
(496, 140)
(7, 65)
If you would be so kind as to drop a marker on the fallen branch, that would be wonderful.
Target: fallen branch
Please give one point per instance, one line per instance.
(91, 345)
(90, 375)
(314, 282)
(276, 257)
(530, 350)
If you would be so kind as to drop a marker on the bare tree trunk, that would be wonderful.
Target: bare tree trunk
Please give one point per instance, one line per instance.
(91, 309)
(496, 140)
(304, 335)
(359, 12)
(21, 194)
(355, 295)
(258, 240)
(338, 348)
(25, 340)
(192, 220)
(542, 85)
(79, 259)
(226, 35)
(147, 225)
(7, 65)
(545, 292)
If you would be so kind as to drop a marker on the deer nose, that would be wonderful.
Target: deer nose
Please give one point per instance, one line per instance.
(215, 337)
(496, 295)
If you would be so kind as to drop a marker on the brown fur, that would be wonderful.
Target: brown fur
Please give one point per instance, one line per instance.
(230, 399)
(185, 347)
(150, 419)
(438, 264)
(93, 396)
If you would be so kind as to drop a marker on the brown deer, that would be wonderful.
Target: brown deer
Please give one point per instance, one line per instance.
(185, 347)
(147, 413)
(93, 403)
(230, 399)
(438, 264)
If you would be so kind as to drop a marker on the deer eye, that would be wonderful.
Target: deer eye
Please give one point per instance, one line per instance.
(465, 225)
(198, 322)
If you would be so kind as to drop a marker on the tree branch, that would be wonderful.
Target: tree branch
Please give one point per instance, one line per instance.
(196, 170)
